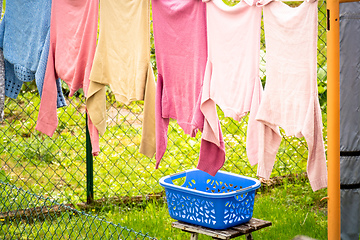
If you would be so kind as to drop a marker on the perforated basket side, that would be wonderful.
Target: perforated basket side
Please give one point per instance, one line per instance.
(239, 209)
(214, 213)
(191, 208)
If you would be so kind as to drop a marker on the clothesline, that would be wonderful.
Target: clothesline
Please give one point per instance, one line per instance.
(340, 1)
(206, 70)
(259, 3)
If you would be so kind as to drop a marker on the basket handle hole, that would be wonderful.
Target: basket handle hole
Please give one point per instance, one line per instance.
(179, 181)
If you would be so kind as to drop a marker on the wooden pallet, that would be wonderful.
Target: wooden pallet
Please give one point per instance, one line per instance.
(243, 229)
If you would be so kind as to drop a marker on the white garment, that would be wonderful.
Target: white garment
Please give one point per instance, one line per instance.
(290, 97)
(232, 72)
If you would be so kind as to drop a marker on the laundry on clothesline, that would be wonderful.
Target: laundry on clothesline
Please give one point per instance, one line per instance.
(122, 61)
(208, 55)
(181, 55)
(73, 32)
(24, 40)
(232, 73)
(290, 98)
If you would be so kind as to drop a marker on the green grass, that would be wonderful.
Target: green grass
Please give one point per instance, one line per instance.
(293, 208)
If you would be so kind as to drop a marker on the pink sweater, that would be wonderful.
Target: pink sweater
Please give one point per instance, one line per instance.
(181, 53)
(232, 72)
(291, 98)
(73, 31)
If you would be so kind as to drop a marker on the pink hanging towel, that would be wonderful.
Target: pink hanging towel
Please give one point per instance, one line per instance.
(291, 98)
(73, 31)
(232, 72)
(181, 53)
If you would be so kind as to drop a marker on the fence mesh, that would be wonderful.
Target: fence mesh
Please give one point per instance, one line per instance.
(56, 167)
(26, 215)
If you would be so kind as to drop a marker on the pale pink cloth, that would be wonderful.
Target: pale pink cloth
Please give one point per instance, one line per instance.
(232, 73)
(290, 98)
(73, 32)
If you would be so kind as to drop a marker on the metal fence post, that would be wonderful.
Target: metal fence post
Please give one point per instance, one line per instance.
(89, 167)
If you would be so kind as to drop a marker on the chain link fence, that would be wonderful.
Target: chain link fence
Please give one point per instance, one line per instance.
(56, 167)
(26, 215)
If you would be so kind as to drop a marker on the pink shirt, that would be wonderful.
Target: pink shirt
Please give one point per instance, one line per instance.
(232, 72)
(290, 98)
(73, 31)
(181, 53)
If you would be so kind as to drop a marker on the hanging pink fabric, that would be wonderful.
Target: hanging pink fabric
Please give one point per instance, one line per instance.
(290, 98)
(181, 53)
(232, 72)
(73, 31)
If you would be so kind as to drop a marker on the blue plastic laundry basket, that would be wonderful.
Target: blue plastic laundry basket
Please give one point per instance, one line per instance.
(218, 202)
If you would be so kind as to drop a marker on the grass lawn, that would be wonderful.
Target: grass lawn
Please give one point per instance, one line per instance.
(293, 208)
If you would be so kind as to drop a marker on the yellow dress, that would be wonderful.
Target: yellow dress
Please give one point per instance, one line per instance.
(122, 61)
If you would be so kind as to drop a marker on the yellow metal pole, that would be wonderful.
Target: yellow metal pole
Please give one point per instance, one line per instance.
(333, 118)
